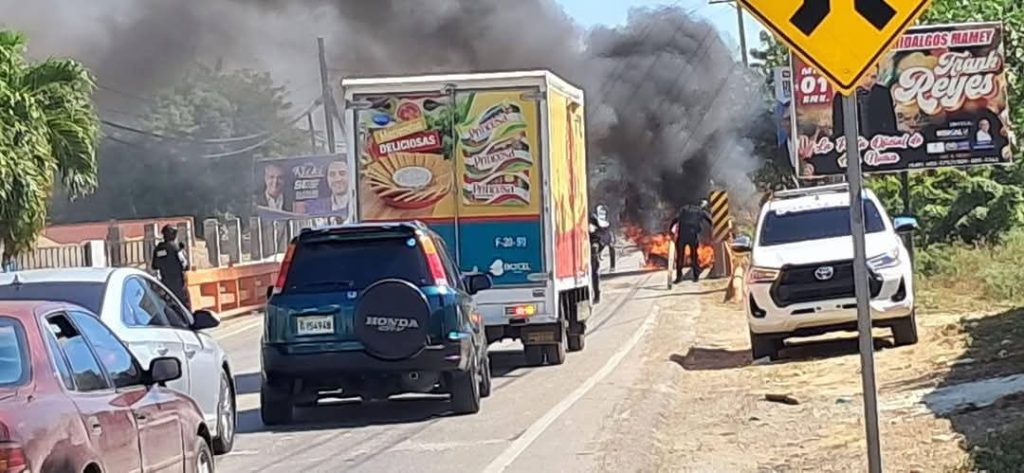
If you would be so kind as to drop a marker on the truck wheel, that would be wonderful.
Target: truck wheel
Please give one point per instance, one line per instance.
(577, 342)
(465, 390)
(555, 353)
(276, 407)
(765, 346)
(485, 377)
(904, 331)
(534, 355)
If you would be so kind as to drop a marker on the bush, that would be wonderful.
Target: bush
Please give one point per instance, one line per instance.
(993, 273)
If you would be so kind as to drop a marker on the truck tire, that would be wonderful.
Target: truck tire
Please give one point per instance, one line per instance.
(577, 342)
(765, 346)
(465, 391)
(904, 331)
(276, 407)
(534, 355)
(392, 320)
(555, 353)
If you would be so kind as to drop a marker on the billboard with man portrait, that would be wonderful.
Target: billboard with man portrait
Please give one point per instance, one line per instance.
(303, 187)
(938, 98)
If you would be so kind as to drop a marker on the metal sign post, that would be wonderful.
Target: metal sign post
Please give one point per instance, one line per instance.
(860, 281)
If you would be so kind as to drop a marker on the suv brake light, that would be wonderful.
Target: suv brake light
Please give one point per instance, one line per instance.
(282, 273)
(12, 458)
(434, 264)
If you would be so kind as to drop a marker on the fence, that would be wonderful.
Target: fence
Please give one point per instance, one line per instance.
(63, 256)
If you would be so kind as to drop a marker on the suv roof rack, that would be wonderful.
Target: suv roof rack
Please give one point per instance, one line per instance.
(413, 225)
(809, 191)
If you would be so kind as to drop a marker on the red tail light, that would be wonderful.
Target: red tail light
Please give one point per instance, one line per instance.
(282, 273)
(12, 458)
(434, 263)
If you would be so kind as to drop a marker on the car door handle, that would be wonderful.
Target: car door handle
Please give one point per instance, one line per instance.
(140, 416)
(161, 351)
(190, 353)
(95, 425)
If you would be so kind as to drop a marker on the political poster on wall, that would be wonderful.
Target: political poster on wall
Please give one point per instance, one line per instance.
(303, 187)
(937, 99)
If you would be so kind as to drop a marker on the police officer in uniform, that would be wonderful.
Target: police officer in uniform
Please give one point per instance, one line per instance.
(170, 261)
(600, 232)
(604, 233)
(690, 222)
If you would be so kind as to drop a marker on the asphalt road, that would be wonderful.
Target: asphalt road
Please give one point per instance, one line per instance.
(537, 419)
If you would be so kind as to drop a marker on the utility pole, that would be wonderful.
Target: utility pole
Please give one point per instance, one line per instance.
(312, 132)
(327, 97)
(742, 30)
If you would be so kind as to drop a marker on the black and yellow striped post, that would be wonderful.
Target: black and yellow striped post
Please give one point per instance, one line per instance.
(721, 228)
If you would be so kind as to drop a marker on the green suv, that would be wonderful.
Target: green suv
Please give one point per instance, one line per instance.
(371, 311)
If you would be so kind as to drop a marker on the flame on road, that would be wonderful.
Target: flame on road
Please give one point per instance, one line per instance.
(657, 246)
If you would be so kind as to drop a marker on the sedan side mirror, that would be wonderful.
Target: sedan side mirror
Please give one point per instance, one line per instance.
(905, 224)
(163, 370)
(204, 319)
(478, 282)
(742, 244)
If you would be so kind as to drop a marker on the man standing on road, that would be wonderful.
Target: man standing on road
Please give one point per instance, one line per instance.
(595, 256)
(689, 224)
(170, 261)
(606, 239)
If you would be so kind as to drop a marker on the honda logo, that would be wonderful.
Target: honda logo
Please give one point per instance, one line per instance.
(824, 273)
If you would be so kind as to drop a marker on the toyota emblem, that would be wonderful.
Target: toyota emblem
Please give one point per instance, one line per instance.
(824, 273)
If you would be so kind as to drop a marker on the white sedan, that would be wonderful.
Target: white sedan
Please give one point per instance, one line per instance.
(153, 323)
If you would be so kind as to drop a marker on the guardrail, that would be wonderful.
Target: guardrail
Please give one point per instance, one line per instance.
(231, 291)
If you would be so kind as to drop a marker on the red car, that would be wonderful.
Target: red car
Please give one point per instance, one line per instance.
(74, 399)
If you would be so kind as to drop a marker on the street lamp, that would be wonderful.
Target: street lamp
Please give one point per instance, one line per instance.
(742, 30)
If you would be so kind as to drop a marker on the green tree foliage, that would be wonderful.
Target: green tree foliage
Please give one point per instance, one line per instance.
(196, 167)
(973, 205)
(48, 131)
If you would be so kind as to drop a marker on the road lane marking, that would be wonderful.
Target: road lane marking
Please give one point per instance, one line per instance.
(240, 330)
(536, 429)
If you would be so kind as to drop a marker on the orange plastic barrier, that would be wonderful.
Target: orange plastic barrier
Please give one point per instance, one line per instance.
(231, 291)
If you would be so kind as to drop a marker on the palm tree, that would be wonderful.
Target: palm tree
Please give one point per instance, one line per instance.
(48, 129)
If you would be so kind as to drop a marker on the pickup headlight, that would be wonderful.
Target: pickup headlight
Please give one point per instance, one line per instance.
(889, 259)
(762, 275)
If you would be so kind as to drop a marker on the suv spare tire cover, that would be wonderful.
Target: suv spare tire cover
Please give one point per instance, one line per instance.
(392, 319)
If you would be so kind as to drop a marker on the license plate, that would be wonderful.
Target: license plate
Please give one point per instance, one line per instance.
(315, 325)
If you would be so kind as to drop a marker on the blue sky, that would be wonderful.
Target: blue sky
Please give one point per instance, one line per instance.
(613, 12)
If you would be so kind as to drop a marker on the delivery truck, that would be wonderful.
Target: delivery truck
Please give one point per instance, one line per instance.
(496, 164)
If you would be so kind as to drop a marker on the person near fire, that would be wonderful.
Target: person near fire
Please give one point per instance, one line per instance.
(689, 223)
(600, 232)
(604, 231)
(170, 260)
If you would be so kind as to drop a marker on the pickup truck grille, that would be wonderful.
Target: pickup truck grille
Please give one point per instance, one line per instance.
(799, 284)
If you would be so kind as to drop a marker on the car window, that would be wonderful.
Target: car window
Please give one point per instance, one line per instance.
(85, 369)
(115, 358)
(333, 265)
(59, 362)
(141, 309)
(832, 222)
(84, 294)
(14, 366)
(175, 315)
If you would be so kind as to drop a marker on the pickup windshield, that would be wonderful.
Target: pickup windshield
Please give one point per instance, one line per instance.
(331, 265)
(818, 224)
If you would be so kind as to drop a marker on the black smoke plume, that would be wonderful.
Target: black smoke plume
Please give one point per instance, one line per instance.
(669, 107)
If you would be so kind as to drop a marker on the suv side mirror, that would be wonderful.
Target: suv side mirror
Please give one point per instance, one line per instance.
(270, 292)
(742, 244)
(478, 282)
(163, 370)
(204, 319)
(905, 224)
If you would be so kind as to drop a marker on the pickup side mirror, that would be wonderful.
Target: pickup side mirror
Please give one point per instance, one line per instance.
(204, 319)
(477, 282)
(163, 370)
(742, 244)
(905, 224)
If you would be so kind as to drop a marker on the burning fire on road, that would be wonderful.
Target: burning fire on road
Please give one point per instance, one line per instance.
(657, 246)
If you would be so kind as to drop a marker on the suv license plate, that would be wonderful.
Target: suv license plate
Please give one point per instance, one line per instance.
(316, 325)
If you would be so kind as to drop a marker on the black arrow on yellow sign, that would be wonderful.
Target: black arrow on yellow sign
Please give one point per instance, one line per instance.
(812, 13)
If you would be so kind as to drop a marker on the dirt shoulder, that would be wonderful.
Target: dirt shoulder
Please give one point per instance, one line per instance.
(708, 410)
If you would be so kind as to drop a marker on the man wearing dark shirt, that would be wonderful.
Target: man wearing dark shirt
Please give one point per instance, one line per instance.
(690, 223)
(170, 261)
